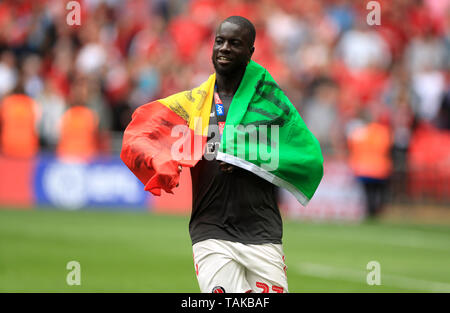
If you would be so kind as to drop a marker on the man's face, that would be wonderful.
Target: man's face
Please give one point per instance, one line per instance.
(232, 49)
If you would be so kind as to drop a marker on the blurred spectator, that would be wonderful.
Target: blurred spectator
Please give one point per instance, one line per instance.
(187, 34)
(426, 52)
(320, 114)
(18, 119)
(146, 79)
(427, 56)
(362, 47)
(429, 86)
(443, 118)
(429, 163)
(78, 134)
(31, 75)
(79, 126)
(369, 153)
(52, 107)
(343, 14)
(286, 30)
(92, 56)
(8, 72)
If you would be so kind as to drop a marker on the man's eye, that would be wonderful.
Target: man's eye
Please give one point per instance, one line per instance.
(236, 43)
(219, 41)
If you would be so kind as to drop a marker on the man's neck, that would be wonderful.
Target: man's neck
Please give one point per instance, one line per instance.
(228, 85)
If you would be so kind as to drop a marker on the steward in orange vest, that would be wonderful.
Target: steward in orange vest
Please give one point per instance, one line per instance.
(18, 118)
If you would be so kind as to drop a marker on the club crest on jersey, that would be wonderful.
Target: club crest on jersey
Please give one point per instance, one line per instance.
(218, 289)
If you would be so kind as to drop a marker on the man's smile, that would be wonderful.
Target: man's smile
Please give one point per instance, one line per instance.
(223, 60)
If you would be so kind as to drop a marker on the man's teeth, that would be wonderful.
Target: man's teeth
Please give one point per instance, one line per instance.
(224, 59)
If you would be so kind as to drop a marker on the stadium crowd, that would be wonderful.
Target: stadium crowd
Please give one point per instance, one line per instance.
(77, 85)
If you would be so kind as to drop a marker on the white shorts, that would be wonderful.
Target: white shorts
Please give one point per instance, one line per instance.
(232, 267)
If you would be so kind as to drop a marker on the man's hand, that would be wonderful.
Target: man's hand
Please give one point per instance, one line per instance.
(166, 177)
(225, 167)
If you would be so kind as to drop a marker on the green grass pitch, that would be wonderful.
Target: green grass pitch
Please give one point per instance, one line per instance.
(141, 252)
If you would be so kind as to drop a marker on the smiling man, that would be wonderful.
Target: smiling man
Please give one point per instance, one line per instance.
(235, 226)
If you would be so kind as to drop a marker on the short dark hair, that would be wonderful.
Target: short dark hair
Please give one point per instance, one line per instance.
(245, 24)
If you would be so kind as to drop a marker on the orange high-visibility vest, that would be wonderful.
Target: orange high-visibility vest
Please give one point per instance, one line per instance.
(78, 137)
(370, 151)
(18, 117)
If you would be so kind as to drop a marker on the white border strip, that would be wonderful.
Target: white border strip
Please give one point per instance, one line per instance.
(263, 174)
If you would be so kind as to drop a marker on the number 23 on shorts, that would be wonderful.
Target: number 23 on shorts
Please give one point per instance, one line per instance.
(265, 288)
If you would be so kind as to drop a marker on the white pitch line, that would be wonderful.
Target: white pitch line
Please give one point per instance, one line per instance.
(329, 272)
(404, 241)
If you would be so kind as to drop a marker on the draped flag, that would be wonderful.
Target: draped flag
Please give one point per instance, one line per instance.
(263, 133)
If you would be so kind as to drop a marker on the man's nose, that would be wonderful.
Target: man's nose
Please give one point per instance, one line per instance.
(225, 47)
